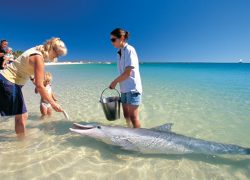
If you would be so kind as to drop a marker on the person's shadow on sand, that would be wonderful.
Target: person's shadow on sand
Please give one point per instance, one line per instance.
(48, 126)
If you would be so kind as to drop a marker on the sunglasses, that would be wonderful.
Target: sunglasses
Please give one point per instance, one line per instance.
(113, 39)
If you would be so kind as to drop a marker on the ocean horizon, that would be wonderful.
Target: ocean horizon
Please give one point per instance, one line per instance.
(145, 62)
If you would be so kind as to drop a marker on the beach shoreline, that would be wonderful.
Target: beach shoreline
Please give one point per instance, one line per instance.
(72, 63)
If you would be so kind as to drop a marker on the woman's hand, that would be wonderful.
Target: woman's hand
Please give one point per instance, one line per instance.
(122, 77)
(113, 85)
(56, 107)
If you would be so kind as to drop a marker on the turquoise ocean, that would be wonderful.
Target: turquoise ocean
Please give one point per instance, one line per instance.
(203, 100)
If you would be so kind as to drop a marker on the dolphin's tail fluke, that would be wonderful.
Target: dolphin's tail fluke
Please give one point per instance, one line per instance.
(247, 151)
(207, 147)
(242, 151)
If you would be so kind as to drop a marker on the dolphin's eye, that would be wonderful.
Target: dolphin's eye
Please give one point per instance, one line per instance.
(99, 127)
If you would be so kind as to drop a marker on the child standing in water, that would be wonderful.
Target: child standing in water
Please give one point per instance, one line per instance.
(45, 106)
(129, 78)
(8, 57)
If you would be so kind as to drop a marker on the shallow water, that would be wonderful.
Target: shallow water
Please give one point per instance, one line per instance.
(208, 101)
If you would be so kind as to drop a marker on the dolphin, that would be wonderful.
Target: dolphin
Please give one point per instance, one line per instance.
(156, 140)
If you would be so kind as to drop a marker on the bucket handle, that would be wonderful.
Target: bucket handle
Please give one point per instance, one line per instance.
(110, 89)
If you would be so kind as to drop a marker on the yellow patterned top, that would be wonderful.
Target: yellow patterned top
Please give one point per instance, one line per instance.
(20, 70)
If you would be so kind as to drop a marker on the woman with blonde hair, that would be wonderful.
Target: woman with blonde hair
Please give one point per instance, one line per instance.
(31, 62)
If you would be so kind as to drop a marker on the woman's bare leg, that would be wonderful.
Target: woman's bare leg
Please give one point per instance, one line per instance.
(134, 115)
(20, 122)
(49, 111)
(43, 110)
(126, 114)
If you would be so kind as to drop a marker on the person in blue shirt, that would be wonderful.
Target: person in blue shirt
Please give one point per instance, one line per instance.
(129, 78)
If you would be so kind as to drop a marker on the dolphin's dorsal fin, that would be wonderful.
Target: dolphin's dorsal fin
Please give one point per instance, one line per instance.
(165, 127)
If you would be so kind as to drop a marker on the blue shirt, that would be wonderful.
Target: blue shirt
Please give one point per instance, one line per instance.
(128, 58)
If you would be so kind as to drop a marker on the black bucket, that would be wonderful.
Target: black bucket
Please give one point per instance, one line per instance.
(111, 106)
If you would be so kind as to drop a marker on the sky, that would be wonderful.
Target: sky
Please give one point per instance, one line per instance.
(161, 30)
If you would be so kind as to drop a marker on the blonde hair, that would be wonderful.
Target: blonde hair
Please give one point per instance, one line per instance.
(47, 77)
(55, 44)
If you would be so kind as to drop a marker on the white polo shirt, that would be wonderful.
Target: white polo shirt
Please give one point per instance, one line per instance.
(129, 58)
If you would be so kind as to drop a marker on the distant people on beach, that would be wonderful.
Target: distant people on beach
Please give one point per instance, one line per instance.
(16, 74)
(3, 48)
(45, 106)
(129, 78)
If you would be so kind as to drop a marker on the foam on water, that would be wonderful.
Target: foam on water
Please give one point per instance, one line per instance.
(208, 101)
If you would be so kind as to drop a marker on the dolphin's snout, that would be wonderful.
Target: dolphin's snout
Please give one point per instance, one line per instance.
(83, 127)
